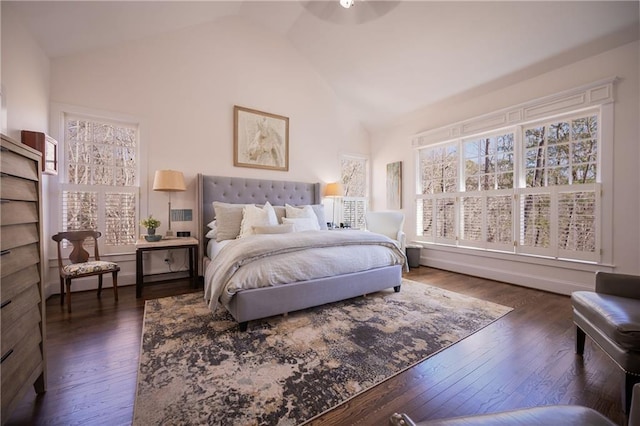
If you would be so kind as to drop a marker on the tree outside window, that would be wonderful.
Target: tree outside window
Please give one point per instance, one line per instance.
(100, 186)
(355, 186)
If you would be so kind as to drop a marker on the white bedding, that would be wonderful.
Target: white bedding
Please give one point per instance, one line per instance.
(267, 260)
(214, 247)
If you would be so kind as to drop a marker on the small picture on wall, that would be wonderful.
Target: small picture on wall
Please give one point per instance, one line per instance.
(260, 139)
(394, 185)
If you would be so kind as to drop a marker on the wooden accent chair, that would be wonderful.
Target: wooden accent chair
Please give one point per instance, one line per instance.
(80, 265)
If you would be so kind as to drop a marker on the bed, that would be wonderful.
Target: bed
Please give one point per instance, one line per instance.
(255, 303)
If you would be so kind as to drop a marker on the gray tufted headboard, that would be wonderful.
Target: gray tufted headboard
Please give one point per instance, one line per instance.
(244, 191)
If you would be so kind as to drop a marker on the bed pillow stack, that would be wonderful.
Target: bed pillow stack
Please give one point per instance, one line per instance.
(253, 216)
(237, 220)
(302, 218)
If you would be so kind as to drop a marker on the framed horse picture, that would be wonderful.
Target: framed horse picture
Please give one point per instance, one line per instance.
(260, 139)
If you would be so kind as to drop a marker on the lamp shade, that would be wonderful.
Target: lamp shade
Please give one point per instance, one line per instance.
(168, 180)
(333, 190)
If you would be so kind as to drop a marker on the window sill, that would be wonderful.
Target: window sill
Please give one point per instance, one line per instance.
(577, 265)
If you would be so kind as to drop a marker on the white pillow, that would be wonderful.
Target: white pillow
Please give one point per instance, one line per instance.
(300, 213)
(273, 229)
(302, 223)
(213, 230)
(256, 216)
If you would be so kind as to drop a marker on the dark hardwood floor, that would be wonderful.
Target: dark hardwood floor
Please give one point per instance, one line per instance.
(524, 359)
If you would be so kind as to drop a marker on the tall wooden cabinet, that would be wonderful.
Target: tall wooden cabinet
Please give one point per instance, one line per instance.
(21, 275)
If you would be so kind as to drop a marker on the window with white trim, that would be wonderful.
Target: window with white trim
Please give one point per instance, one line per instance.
(355, 186)
(529, 189)
(99, 190)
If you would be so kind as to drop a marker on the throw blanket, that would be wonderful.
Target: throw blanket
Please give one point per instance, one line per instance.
(266, 260)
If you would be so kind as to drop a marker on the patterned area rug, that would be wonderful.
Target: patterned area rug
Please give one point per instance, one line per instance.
(197, 368)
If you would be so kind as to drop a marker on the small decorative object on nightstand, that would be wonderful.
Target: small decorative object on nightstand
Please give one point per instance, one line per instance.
(151, 224)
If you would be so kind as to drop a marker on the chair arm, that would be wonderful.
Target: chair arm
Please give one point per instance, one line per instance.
(402, 238)
(401, 419)
(618, 284)
(634, 412)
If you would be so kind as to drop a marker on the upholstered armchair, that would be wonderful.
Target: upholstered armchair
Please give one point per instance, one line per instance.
(610, 316)
(566, 415)
(389, 223)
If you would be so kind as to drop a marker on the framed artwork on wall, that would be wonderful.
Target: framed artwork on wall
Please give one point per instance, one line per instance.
(260, 139)
(394, 185)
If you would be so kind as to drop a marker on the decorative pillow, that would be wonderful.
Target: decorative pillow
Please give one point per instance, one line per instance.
(301, 223)
(213, 230)
(280, 212)
(318, 209)
(256, 216)
(273, 229)
(300, 213)
(228, 220)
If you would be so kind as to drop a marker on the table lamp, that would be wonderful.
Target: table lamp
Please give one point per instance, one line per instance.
(333, 190)
(169, 181)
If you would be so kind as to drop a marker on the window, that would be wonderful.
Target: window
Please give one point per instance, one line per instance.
(530, 189)
(100, 180)
(354, 183)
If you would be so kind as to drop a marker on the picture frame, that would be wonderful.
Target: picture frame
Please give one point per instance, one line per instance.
(260, 139)
(394, 185)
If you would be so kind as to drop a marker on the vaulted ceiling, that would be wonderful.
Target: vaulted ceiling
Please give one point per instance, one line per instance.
(385, 59)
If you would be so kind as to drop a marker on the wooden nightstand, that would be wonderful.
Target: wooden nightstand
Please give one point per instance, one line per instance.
(189, 243)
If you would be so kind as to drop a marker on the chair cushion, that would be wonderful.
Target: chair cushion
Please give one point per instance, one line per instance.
(617, 317)
(87, 268)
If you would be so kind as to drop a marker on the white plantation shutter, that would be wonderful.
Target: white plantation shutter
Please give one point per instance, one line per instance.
(100, 186)
(424, 213)
(120, 218)
(79, 210)
(529, 190)
(499, 220)
(578, 236)
(560, 222)
(535, 222)
(487, 220)
(471, 216)
(353, 211)
(445, 219)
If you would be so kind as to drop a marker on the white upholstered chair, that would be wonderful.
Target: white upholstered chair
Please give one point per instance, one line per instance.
(389, 223)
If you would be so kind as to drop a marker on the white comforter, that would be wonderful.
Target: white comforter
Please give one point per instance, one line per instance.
(267, 260)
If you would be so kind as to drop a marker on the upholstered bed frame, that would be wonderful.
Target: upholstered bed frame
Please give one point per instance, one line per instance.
(264, 302)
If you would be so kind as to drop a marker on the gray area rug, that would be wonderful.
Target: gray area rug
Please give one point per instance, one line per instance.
(197, 368)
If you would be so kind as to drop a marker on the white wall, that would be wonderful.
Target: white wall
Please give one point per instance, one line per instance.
(25, 77)
(25, 83)
(182, 86)
(393, 144)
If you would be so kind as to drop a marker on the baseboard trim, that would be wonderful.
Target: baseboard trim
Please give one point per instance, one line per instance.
(90, 283)
(538, 282)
